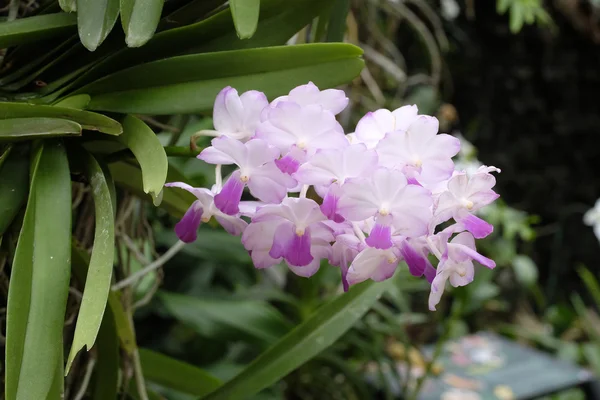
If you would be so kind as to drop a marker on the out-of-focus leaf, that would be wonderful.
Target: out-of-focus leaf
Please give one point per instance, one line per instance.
(140, 19)
(129, 177)
(189, 84)
(107, 368)
(525, 270)
(31, 29)
(245, 16)
(337, 21)
(68, 5)
(95, 20)
(213, 317)
(591, 352)
(175, 374)
(88, 120)
(589, 319)
(97, 285)
(307, 340)
(279, 21)
(14, 181)
(149, 153)
(40, 279)
(31, 128)
(78, 102)
(590, 281)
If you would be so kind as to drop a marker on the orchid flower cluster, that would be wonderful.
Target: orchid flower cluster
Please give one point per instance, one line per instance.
(386, 193)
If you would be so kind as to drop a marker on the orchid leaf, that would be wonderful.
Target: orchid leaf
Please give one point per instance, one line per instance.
(40, 280)
(97, 284)
(245, 16)
(307, 340)
(140, 19)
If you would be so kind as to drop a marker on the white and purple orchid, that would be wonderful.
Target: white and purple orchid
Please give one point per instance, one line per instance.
(380, 195)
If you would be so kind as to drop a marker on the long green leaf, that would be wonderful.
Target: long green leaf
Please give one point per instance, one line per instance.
(212, 317)
(140, 19)
(78, 102)
(31, 128)
(279, 21)
(188, 84)
(14, 181)
(95, 20)
(88, 120)
(323, 328)
(107, 368)
(149, 153)
(175, 374)
(125, 333)
(97, 285)
(31, 29)
(40, 280)
(245, 16)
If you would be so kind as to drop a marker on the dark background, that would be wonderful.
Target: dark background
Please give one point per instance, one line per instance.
(530, 104)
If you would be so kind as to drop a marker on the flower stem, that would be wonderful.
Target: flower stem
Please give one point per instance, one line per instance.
(218, 177)
(303, 191)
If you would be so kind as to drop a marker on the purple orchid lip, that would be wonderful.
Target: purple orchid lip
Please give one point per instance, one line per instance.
(380, 237)
(478, 227)
(187, 228)
(228, 199)
(292, 244)
(417, 264)
(329, 208)
(287, 164)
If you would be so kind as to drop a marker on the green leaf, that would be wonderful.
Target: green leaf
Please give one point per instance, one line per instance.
(88, 120)
(40, 279)
(307, 340)
(212, 317)
(107, 368)
(140, 19)
(95, 20)
(68, 5)
(31, 29)
(97, 285)
(31, 128)
(279, 21)
(149, 153)
(188, 84)
(245, 16)
(14, 181)
(80, 268)
(175, 374)
(337, 21)
(77, 102)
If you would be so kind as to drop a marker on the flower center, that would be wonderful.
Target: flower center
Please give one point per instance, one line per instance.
(244, 178)
(391, 259)
(301, 144)
(418, 163)
(468, 204)
(383, 211)
(299, 231)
